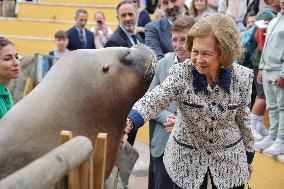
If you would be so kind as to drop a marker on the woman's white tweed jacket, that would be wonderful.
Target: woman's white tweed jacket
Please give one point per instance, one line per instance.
(211, 129)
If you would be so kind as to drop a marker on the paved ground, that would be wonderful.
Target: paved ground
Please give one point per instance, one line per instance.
(139, 177)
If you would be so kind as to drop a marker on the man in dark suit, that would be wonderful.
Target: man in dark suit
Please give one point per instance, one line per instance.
(158, 33)
(125, 35)
(79, 36)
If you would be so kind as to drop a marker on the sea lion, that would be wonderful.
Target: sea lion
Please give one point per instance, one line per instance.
(86, 92)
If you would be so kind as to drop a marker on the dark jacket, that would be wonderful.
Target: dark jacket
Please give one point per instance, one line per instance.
(143, 19)
(158, 37)
(74, 41)
(120, 39)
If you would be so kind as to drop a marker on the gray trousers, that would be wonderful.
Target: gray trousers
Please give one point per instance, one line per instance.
(275, 104)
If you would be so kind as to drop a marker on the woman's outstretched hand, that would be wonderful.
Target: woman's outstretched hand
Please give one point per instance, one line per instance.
(128, 126)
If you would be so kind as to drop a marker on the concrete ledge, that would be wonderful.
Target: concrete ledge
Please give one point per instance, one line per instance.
(88, 2)
(55, 11)
(50, 21)
(68, 5)
(28, 37)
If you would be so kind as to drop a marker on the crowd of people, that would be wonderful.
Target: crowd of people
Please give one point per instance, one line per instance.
(220, 67)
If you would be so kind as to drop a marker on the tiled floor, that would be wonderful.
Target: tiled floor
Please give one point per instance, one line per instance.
(268, 173)
(139, 177)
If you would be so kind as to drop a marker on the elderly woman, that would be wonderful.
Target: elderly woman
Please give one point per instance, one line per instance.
(210, 137)
(9, 69)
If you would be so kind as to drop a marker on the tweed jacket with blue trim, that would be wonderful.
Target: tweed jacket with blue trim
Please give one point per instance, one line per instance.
(211, 128)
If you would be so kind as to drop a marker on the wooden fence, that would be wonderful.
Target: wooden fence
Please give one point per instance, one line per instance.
(75, 164)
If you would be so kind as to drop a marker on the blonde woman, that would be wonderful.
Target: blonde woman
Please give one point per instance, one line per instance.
(210, 137)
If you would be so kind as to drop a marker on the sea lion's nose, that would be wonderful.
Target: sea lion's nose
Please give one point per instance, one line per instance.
(134, 56)
(146, 58)
(127, 58)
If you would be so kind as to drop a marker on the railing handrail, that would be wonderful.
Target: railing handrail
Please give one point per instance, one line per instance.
(55, 164)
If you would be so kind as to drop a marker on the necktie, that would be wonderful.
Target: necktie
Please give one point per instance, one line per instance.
(81, 36)
(134, 37)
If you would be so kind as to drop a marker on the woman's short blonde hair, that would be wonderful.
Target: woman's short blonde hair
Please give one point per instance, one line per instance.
(224, 29)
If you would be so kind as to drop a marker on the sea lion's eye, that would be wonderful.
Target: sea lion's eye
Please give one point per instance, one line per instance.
(105, 69)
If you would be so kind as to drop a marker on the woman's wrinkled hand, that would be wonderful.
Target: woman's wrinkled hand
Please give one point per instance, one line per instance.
(128, 126)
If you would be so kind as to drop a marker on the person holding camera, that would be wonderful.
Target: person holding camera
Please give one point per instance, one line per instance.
(101, 31)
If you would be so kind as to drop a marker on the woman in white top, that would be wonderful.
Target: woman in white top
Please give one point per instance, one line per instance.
(101, 31)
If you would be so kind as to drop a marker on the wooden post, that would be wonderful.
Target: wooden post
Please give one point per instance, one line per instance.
(73, 177)
(65, 136)
(100, 160)
(29, 86)
(85, 175)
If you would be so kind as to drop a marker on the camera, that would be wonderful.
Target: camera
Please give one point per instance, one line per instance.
(99, 22)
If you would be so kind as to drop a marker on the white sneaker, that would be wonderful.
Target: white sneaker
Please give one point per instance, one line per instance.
(262, 130)
(256, 135)
(277, 148)
(280, 158)
(266, 142)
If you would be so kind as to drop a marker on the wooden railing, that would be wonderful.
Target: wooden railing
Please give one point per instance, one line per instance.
(75, 164)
